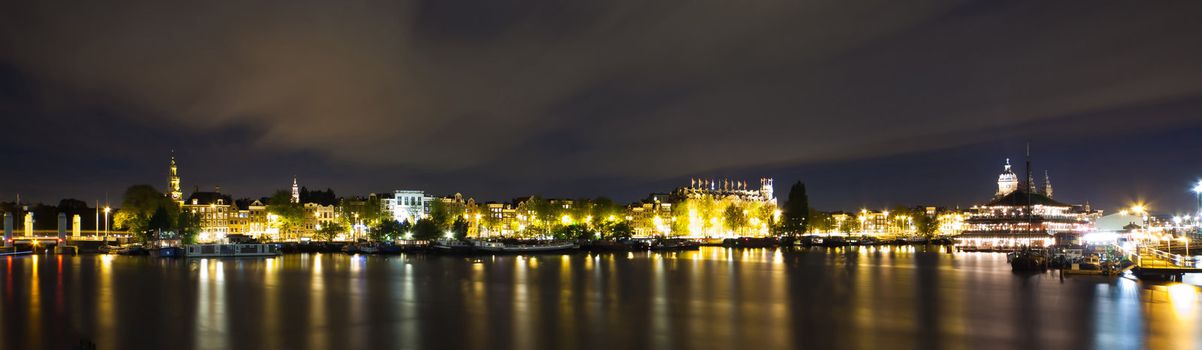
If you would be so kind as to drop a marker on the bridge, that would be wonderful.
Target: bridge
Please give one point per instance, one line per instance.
(1153, 263)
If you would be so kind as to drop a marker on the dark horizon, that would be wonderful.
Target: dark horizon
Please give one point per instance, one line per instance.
(871, 106)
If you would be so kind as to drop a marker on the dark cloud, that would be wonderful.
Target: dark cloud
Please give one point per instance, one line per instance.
(527, 95)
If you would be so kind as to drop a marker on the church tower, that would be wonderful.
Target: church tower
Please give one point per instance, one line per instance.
(295, 191)
(1047, 184)
(173, 182)
(1008, 181)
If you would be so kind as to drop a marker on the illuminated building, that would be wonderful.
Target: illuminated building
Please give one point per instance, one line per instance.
(215, 212)
(173, 182)
(251, 219)
(1024, 216)
(407, 205)
(725, 208)
(651, 217)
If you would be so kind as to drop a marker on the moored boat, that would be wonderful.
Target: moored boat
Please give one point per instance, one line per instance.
(453, 246)
(132, 249)
(674, 244)
(230, 250)
(1028, 260)
(167, 252)
(369, 248)
(542, 247)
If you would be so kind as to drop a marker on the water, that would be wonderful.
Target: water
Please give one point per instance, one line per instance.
(715, 298)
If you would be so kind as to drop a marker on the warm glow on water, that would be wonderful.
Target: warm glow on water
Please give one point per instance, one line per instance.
(715, 298)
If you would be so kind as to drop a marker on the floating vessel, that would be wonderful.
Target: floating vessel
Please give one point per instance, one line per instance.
(674, 244)
(499, 247)
(1028, 260)
(230, 250)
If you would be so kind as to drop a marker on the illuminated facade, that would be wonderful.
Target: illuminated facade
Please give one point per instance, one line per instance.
(407, 205)
(1024, 217)
(251, 220)
(725, 208)
(173, 183)
(215, 211)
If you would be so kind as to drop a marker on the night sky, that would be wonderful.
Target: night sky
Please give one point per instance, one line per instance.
(871, 103)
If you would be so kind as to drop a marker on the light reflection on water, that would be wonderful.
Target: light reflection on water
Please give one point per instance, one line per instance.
(862, 297)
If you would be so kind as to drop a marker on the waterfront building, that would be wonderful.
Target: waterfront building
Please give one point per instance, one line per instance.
(250, 220)
(407, 205)
(214, 211)
(651, 217)
(1024, 216)
(467, 209)
(317, 215)
(499, 220)
(723, 208)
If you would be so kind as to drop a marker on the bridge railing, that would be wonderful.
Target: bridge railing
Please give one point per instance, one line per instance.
(1174, 259)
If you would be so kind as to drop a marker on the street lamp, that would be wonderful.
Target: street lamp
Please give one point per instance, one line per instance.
(1198, 193)
(106, 222)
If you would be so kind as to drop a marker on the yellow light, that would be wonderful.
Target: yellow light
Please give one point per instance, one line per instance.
(107, 209)
(566, 220)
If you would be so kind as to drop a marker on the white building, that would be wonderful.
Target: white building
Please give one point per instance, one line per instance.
(407, 205)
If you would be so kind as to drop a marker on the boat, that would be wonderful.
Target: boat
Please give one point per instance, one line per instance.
(390, 249)
(230, 250)
(369, 248)
(453, 246)
(750, 242)
(107, 249)
(350, 248)
(625, 245)
(543, 247)
(167, 252)
(1028, 260)
(674, 244)
(132, 249)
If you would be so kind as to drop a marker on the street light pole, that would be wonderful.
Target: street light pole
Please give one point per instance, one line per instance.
(106, 221)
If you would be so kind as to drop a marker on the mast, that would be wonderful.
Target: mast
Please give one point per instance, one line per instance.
(1030, 187)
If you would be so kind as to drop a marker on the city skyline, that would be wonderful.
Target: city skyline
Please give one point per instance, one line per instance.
(887, 113)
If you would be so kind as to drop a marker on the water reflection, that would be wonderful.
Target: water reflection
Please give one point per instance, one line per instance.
(871, 297)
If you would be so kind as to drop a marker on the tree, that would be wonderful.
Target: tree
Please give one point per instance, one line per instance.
(736, 219)
(146, 212)
(329, 231)
(459, 228)
(440, 214)
(926, 225)
(289, 215)
(425, 229)
(616, 230)
(574, 231)
(187, 227)
(796, 210)
(386, 230)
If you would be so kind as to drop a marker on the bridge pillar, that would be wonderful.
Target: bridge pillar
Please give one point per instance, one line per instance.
(8, 230)
(75, 226)
(62, 228)
(28, 225)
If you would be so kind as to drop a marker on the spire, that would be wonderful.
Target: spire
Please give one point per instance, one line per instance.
(1047, 184)
(295, 191)
(173, 181)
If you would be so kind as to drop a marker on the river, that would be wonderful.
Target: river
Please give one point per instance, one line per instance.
(715, 298)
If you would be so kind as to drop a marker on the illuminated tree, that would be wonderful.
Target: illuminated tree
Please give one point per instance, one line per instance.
(425, 229)
(290, 216)
(329, 231)
(459, 228)
(385, 230)
(736, 220)
(926, 225)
